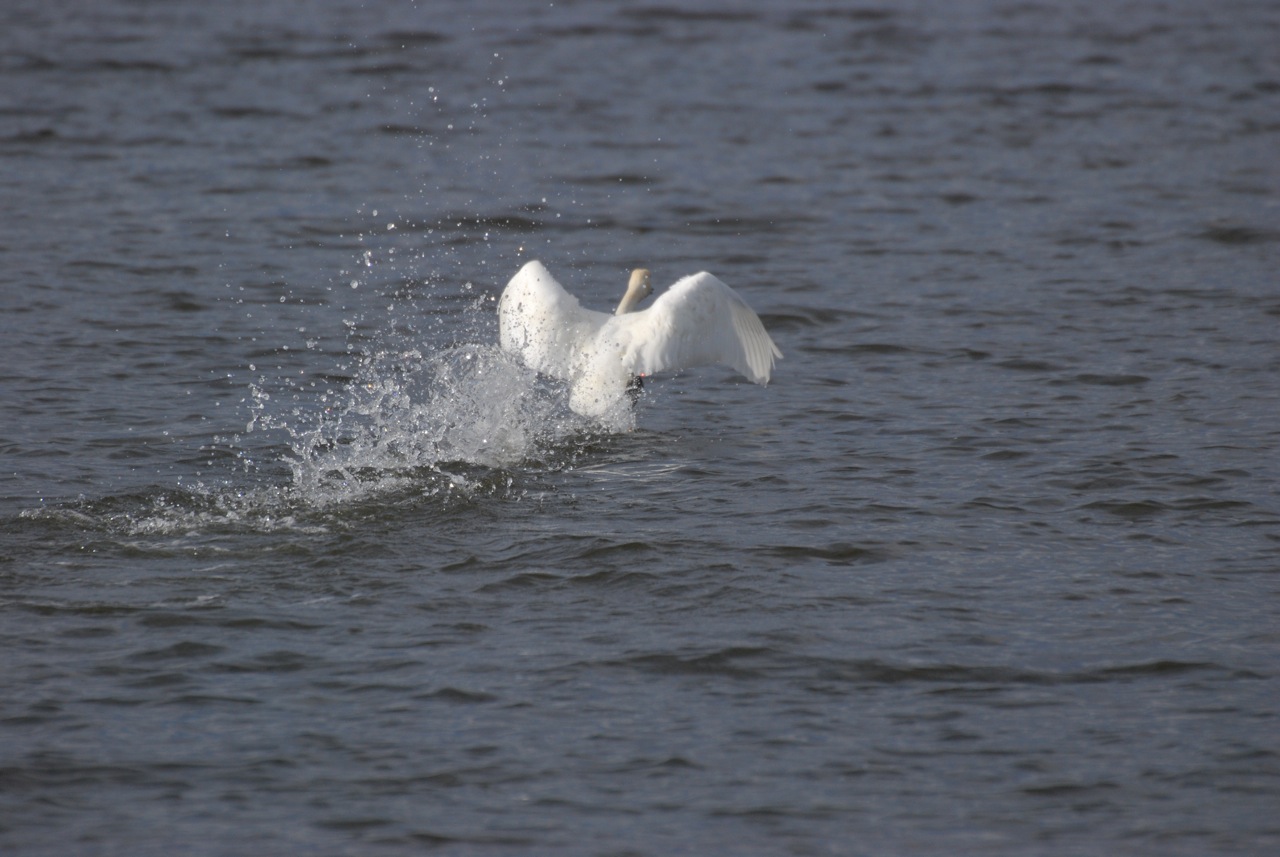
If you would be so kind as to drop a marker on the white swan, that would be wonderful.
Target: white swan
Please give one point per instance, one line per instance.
(699, 321)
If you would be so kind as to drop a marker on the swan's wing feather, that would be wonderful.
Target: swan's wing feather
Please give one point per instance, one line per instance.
(543, 324)
(699, 321)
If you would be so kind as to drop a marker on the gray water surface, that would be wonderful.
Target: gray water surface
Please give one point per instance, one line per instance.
(293, 560)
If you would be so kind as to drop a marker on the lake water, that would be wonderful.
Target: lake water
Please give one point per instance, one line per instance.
(294, 561)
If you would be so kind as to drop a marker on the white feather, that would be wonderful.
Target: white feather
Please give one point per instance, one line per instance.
(699, 321)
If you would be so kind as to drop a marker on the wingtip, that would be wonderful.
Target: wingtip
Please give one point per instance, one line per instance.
(532, 266)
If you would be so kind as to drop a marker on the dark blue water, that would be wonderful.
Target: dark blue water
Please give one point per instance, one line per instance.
(294, 560)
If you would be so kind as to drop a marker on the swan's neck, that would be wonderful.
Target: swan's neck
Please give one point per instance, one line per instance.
(637, 290)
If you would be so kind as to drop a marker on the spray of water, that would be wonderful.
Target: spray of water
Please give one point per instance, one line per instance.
(409, 415)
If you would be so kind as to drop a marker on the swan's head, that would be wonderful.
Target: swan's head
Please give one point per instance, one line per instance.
(637, 290)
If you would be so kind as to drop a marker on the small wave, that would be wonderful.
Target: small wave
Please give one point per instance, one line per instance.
(943, 676)
(1236, 234)
(163, 521)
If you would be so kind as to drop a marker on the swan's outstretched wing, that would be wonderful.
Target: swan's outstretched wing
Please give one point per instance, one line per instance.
(542, 323)
(699, 321)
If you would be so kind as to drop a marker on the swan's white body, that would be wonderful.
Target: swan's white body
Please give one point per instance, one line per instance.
(699, 321)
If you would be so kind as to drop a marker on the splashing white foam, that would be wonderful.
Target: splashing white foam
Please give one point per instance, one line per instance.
(407, 413)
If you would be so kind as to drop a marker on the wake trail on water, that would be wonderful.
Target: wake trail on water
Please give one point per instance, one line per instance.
(407, 422)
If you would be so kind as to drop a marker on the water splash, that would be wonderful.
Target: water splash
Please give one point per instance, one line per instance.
(408, 415)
